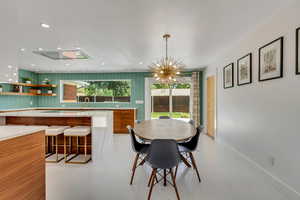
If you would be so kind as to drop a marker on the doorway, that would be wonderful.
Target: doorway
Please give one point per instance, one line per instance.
(174, 101)
(211, 100)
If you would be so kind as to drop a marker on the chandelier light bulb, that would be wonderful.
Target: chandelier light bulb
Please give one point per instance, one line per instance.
(177, 72)
(161, 71)
(155, 75)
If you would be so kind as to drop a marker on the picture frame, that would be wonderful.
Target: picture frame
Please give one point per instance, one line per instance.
(270, 62)
(228, 76)
(298, 51)
(244, 70)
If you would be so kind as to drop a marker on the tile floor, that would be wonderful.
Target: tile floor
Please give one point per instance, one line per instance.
(225, 175)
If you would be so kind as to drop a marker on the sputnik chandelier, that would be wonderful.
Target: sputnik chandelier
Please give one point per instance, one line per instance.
(167, 69)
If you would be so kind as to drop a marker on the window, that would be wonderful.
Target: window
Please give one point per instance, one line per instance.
(171, 100)
(96, 91)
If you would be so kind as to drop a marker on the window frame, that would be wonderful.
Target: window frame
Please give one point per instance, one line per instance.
(61, 92)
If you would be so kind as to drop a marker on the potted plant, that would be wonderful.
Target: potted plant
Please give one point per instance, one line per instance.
(1, 88)
(27, 80)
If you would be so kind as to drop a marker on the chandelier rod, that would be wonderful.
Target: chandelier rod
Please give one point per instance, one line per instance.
(166, 36)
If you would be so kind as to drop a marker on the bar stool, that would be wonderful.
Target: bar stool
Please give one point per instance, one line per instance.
(54, 132)
(77, 132)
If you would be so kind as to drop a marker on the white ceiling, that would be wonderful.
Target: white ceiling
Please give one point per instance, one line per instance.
(120, 34)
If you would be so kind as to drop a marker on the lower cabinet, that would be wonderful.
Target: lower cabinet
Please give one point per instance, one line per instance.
(123, 118)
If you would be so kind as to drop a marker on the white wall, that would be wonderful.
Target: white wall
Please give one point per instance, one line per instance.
(262, 120)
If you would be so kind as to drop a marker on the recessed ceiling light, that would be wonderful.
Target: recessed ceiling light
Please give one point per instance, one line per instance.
(67, 64)
(10, 80)
(32, 65)
(22, 49)
(58, 48)
(40, 49)
(9, 66)
(102, 63)
(78, 48)
(141, 63)
(45, 25)
(15, 74)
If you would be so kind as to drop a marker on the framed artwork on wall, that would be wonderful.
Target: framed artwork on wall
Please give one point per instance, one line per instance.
(298, 51)
(271, 60)
(228, 76)
(244, 70)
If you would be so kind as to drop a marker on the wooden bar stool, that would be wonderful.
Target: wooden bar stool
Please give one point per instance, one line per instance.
(54, 132)
(77, 132)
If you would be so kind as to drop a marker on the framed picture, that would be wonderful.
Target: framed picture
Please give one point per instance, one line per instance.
(228, 79)
(244, 70)
(298, 51)
(271, 60)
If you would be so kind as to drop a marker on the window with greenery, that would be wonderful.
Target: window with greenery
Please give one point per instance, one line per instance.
(97, 91)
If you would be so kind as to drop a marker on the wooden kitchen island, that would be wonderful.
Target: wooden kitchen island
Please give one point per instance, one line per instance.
(22, 163)
(121, 118)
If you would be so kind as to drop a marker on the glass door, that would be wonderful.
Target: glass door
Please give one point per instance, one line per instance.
(171, 100)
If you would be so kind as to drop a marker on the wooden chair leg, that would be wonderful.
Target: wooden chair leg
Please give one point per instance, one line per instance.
(185, 161)
(153, 175)
(174, 183)
(134, 167)
(195, 166)
(176, 169)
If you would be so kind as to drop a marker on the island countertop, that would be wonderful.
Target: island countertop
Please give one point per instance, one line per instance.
(54, 113)
(68, 108)
(9, 132)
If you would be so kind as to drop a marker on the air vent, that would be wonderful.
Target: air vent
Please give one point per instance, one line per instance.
(63, 54)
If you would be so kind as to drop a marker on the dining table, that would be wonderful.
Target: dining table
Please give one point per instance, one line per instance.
(166, 129)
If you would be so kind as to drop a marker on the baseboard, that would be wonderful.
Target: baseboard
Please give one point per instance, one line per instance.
(289, 192)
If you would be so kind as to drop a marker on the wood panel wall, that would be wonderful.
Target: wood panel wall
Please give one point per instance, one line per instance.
(22, 168)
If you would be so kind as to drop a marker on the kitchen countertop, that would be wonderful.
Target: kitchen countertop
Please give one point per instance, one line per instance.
(9, 132)
(67, 108)
(54, 113)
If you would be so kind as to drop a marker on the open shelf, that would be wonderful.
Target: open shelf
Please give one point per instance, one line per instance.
(24, 94)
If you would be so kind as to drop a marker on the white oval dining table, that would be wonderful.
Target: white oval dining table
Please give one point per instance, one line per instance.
(165, 129)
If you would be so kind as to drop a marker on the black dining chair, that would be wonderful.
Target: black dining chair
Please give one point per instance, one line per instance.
(163, 155)
(140, 149)
(188, 148)
(164, 117)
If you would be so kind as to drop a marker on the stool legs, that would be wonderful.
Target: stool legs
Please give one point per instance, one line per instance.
(85, 146)
(52, 149)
